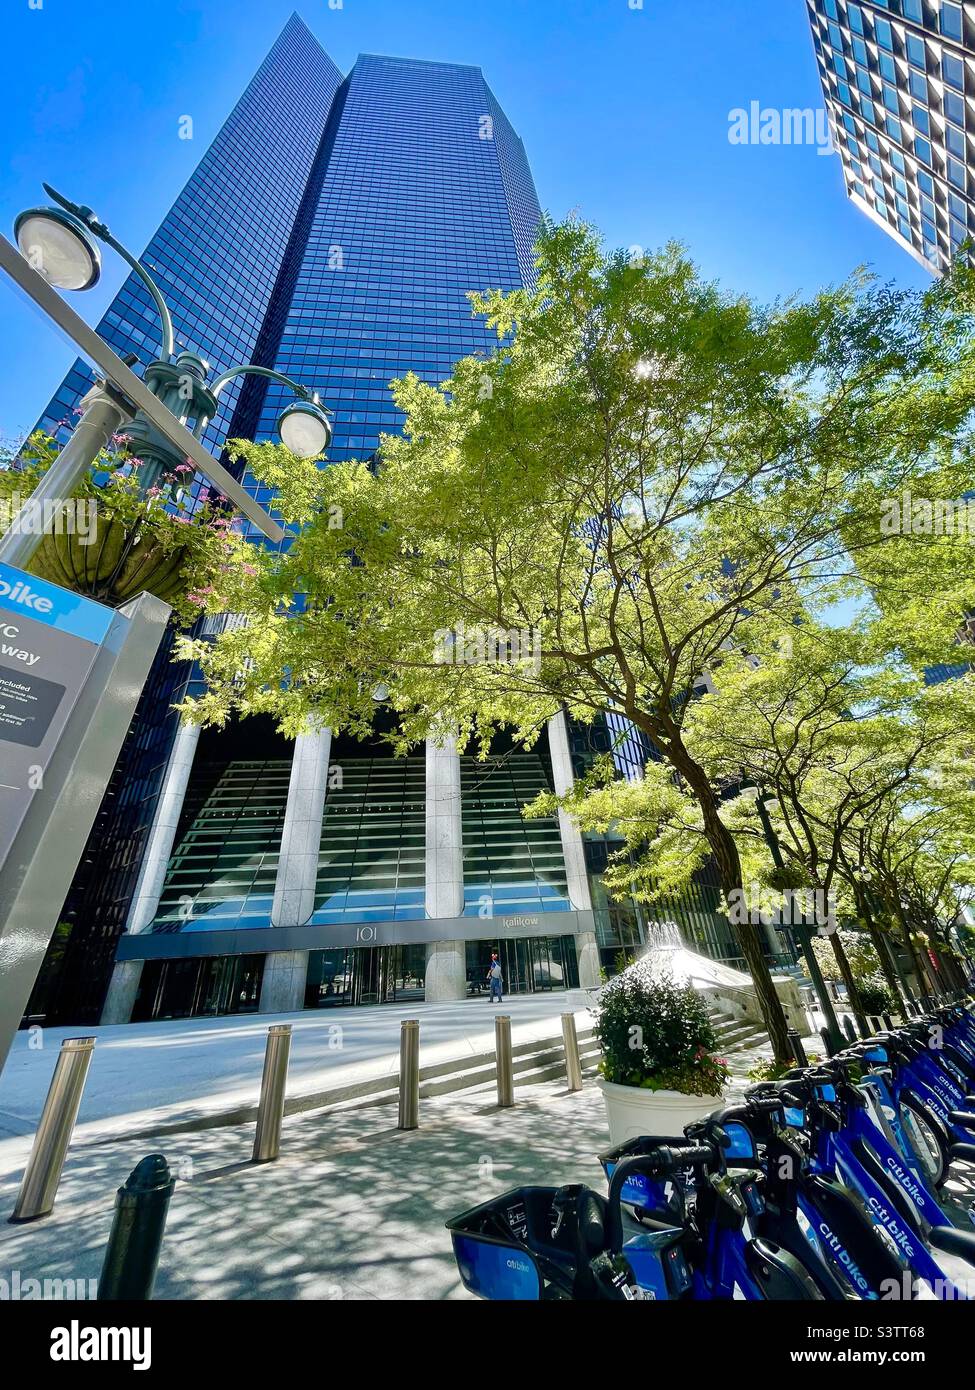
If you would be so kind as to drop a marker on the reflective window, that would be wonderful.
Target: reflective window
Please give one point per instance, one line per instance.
(951, 20)
(953, 71)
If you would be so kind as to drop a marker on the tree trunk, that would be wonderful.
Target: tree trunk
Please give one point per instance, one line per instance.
(728, 862)
(842, 960)
(882, 947)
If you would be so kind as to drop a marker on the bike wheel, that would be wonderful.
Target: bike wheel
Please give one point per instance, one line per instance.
(927, 1143)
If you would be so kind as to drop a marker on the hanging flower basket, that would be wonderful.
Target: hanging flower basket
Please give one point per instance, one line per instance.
(121, 562)
(159, 540)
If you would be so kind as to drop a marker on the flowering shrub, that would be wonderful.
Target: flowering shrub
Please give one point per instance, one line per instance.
(161, 539)
(657, 1034)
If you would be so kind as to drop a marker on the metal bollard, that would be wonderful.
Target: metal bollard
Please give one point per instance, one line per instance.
(43, 1173)
(409, 1074)
(502, 1048)
(573, 1064)
(849, 1028)
(796, 1048)
(830, 1047)
(888, 1022)
(267, 1139)
(132, 1254)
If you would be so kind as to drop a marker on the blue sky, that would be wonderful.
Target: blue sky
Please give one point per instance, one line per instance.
(623, 109)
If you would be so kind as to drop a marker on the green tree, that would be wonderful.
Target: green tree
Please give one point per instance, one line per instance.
(647, 472)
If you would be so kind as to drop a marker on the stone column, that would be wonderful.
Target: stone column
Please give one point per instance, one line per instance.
(120, 1000)
(573, 850)
(446, 967)
(159, 850)
(152, 875)
(283, 985)
(283, 982)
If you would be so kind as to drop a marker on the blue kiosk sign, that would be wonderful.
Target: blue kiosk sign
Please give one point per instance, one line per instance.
(49, 639)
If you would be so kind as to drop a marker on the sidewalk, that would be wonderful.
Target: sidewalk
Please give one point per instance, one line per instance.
(192, 1070)
(353, 1208)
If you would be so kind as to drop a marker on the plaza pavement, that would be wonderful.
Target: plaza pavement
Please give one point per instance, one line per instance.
(192, 1069)
(353, 1208)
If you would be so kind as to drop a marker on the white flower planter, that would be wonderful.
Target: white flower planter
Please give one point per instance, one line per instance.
(633, 1112)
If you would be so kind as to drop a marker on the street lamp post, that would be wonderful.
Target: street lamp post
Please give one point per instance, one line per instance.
(61, 244)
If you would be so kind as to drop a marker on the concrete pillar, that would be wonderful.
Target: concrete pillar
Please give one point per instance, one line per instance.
(446, 971)
(121, 996)
(283, 985)
(446, 968)
(587, 952)
(159, 849)
(283, 982)
(572, 847)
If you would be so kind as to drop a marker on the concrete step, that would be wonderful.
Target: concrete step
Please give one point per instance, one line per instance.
(736, 1034)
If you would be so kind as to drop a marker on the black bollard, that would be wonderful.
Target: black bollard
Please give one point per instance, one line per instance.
(827, 1042)
(796, 1048)
(888, 1022)
(849, 1028)
(141, 1204)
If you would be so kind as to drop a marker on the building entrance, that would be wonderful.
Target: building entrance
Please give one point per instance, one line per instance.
(365, 975)
(529, 964)
(199, 988)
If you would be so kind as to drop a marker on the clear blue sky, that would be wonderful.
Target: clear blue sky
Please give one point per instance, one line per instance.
(624, 113)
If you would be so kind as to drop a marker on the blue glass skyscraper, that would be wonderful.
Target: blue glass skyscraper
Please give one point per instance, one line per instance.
(333, 231)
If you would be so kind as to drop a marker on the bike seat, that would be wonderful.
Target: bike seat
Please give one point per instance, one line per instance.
(953, 1242)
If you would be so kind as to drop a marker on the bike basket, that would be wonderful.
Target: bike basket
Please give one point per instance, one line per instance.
(514, 1247)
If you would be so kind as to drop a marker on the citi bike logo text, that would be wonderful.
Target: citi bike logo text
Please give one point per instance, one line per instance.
(797, 907)
(21, 593)
(844, 1256)
(907, 1183)
(770, 125)
(898, 1235)
(488, 646)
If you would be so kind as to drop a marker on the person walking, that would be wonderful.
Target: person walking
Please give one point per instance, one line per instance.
(495, 979)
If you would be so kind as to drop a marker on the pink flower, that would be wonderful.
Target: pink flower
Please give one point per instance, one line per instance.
(196, 599)
(121, 439)
(154, 492)
(249, 569)
(135, 463)
(184, 468)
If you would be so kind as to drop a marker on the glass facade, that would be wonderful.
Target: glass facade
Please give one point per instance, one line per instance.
(222, 872)
(899, 79)
(512, 866)
(422, 194)
(622, 927)
(371, 866)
